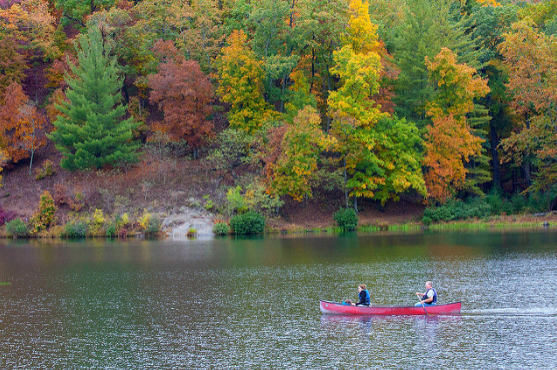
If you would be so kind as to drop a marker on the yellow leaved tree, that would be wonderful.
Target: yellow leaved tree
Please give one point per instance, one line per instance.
(240, 80)
(378, 152)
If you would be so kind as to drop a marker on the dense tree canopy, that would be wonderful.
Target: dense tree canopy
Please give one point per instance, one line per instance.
(368, 100)
(449, 141)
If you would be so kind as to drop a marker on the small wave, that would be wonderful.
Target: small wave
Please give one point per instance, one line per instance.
(511, 312)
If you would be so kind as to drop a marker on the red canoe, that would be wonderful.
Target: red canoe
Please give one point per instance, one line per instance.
(335, 308)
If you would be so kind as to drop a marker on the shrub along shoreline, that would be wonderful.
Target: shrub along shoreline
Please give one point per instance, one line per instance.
(487, 212)
(82, 228)
(43, 224)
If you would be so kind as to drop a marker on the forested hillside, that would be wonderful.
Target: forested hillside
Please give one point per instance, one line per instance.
(288, 108)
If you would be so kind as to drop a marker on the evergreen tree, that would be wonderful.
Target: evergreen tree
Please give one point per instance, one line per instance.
(89, 131)
(450, 141)
(479, 171)
(490, 24)
(429, 25)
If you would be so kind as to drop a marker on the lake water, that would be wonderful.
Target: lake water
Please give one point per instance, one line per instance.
(254, 303)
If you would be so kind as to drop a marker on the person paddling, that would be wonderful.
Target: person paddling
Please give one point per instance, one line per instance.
(348, 302)
(363, 294)
(429, 298)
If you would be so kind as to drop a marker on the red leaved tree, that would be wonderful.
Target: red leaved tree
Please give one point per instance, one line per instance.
(184, 94)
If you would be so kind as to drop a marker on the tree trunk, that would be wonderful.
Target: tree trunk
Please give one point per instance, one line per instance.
(356, 204)
(345, 183)
(126, 94)
(31, 161)
(327, 95)
(495, 158)
(281, 107)
(527, 173)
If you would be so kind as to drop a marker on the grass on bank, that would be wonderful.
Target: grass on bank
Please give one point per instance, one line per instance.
(476, 213)
(80, 225)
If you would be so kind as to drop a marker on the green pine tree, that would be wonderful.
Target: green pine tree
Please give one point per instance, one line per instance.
(479, 171)
(429, 26)
(90, 131)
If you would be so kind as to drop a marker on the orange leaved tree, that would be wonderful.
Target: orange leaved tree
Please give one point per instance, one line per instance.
(20, 124)
(449, 142)
(531, 60)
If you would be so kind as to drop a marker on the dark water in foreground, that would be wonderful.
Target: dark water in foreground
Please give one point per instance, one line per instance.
(254, 303)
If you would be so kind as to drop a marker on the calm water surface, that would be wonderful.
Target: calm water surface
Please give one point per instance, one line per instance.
(253, 303)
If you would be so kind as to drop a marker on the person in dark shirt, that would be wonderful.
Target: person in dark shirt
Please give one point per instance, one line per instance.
(347, 302)
(363, 295)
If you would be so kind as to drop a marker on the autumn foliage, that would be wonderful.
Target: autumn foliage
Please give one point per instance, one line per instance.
(354, 98)
(377, 150)
(531, 58)
(20, 124)
(295, 170)
(184, 94)
(241, 84)
(449, 142)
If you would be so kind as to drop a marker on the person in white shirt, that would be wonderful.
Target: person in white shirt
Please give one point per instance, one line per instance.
(429, 298)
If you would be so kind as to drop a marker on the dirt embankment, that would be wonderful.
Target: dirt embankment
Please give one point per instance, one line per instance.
(181, 189)
(176, 188)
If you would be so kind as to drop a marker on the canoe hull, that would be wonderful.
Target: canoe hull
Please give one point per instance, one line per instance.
(334, 308)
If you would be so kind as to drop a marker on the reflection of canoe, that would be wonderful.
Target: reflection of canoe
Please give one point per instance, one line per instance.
(340, 309)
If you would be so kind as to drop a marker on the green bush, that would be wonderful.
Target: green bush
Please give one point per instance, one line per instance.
(537, 203)
(98, 217)
(221, 228)
(235, 201)
(426, 220)
(257, 199)
(248, 223)
(153, 226)
(454, 210)
(75, 229)
(111, 230)
(208, 203)
(507, 208)
(518, 203)
(46, 170)
(45, 215)
(483, 207)
(478, 208)
(496, 201)
(346, 219)
(441, 213)
(16, 228)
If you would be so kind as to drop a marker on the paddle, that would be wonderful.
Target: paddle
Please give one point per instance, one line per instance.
(423, 305)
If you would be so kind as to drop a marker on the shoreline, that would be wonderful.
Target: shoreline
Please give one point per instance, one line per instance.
(179, 227)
